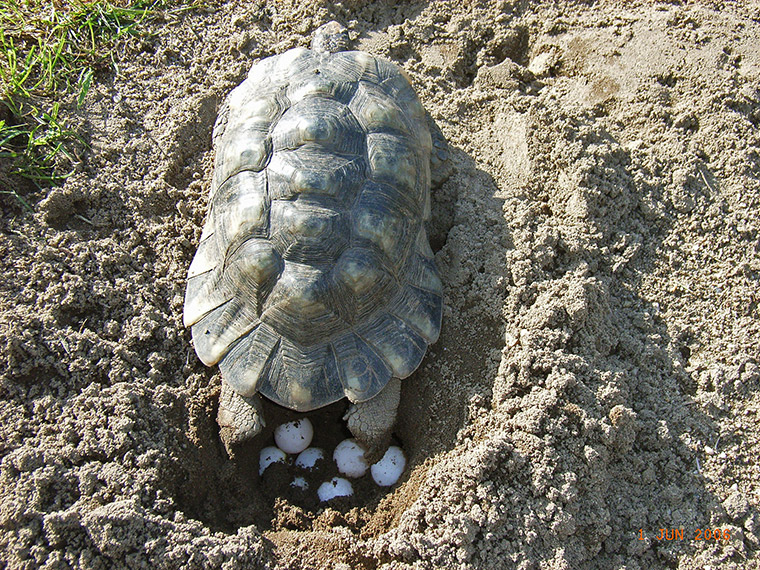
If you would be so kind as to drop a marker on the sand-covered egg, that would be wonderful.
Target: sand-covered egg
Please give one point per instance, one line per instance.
(300, 483)
(308, 458)
(295, 436)
(349, 457)
(334, 488)
(271, 455)
(388, 470)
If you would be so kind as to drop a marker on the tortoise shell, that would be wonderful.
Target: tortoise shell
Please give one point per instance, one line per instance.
(314, 279)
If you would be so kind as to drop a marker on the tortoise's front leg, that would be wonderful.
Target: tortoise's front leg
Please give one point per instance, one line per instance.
(239, 418)
(441, 166)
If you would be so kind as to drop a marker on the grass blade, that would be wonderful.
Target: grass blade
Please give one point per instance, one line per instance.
(85, 81)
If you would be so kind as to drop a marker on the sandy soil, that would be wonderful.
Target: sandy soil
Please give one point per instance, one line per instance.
(597, 375)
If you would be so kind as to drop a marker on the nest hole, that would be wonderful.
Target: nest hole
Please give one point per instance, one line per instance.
(228, 493)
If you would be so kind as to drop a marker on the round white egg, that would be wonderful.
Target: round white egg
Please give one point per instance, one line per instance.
(349, 457)
(335, 487)
(308, 458)
(388, 470)
(300, 483)
(294, 437)
(270, 455)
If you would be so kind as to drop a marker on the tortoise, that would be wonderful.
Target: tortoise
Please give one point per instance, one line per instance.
(314, 279)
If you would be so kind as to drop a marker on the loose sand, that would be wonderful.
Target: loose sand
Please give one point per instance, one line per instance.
(597, 375)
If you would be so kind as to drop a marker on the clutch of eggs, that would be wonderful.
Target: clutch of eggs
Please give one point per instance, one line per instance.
(295, 438)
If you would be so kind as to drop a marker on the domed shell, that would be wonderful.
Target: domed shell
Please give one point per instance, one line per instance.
(314, 279)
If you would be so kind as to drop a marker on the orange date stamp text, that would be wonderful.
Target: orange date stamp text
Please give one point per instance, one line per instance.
(681, 534)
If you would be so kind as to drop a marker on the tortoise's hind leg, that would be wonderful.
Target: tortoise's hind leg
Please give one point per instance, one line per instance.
(371, 422)
(239, 418)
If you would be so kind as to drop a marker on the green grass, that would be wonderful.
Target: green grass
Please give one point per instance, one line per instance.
(51, 51)
(38, 148)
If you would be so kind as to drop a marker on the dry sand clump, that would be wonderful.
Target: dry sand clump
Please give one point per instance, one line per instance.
(597, 375)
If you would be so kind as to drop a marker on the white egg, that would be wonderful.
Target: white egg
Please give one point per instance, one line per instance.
(294, 437)
(335, 487)
(270, 455)
(308, 458)
(299, 482)
(349, 457)
(388, 470)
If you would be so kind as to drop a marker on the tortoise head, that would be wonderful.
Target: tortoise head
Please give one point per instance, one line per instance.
(330, 38)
